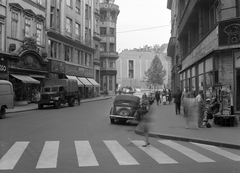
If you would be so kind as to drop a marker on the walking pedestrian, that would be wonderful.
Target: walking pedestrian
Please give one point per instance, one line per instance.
(177, 100)
(146, 126)
(169, 96)
(157, 97)
(201, 107)
(185, 103)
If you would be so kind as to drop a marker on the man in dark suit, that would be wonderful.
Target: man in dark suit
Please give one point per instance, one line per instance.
(177, 100)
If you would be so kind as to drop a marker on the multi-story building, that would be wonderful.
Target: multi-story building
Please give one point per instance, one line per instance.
(205, 46)
(72, 51)
(108, 55)
(22, 45)
(42, 39)
(132, 65)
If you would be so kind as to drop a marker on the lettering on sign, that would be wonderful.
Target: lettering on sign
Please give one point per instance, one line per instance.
(3, 65)
(109, 6)
(233, 32)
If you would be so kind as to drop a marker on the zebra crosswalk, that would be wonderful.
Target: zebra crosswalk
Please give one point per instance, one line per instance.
(85, 156)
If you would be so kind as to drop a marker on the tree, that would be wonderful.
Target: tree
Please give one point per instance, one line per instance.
(155, 75)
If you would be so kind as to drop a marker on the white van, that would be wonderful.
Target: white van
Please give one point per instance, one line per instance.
(6, 97)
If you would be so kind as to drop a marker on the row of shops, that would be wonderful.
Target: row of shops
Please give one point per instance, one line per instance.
(28, 71)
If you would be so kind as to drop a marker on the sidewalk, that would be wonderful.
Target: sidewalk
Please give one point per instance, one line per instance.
(34, 106)
(167, 125)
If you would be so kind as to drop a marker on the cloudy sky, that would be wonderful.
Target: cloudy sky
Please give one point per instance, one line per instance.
(142, 22)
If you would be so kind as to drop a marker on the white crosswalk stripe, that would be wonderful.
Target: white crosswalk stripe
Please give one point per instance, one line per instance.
(156, 154)
(10, 159)
(49, 155)
(85, 154)
(120, 154)
(186, 151)
(219, 151)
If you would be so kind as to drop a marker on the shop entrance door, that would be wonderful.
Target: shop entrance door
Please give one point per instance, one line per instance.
(238, 89)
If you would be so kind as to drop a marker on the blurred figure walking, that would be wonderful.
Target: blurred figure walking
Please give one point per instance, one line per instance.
(201, 107)
(157, 97)
(177, 100)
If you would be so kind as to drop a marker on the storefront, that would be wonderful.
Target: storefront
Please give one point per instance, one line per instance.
(27, 73)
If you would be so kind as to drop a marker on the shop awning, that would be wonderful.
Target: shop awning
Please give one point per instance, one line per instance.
(93, 82)
(26, 79)
(85, 81)
(75, 78)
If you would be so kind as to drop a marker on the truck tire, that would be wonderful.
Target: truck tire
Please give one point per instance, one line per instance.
(40, 106)
(71, 102)
(2, 112)
(57, 104)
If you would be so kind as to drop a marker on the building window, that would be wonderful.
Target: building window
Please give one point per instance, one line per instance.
(27, 27)
(213, 14)
(58, 19)
(103, 47)
(68, 53)
(69, 3)
(103, 31)
(111, 47)
(112, 65)
(78, 6)
(110, 83)
(69, 26)
(1, 36)
(87, 59)
(52, 17)
(79, 57)
(111, 31)
(54, 49)
(39, 2)
(86, 11)
(39, 33)
(14, 24)
(77, 31)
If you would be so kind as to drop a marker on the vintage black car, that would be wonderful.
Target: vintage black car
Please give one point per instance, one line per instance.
(126, 107)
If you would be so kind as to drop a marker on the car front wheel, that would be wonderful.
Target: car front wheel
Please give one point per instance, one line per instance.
(112, 120)
(2, 113)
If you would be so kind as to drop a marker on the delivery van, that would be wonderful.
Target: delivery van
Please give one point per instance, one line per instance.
(6, 97)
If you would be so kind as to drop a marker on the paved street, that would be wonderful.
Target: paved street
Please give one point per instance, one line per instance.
(82, 139)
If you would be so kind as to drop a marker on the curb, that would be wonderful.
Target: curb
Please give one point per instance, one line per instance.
(186, 139)
(25, 110)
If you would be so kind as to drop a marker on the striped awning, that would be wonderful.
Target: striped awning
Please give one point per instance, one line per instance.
(25, 79)
(75, 78)
(93, 82)
(85, 81)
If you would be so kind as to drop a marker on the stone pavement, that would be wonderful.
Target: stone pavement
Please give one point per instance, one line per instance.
(165, 124)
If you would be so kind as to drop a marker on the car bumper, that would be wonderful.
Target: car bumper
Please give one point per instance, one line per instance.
(122, 117)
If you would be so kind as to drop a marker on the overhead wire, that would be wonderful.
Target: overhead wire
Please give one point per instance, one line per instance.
(143, 29)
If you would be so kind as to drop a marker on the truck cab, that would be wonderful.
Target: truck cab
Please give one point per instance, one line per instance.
(6, 97)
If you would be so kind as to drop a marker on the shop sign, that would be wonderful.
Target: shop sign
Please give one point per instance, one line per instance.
(229, 32)
(74, 70)
(3, 65)
(109, 6)
(57, 67)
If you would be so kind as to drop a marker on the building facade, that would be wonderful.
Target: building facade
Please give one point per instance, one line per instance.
(206, 51)
(72, 51)
(108, 54)
(132, 65)
(42, 39)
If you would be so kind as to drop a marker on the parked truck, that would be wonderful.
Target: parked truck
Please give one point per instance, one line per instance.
(59, 91)
(6, 97)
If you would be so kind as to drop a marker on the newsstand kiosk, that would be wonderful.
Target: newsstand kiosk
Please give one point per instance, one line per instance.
(225, 115)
